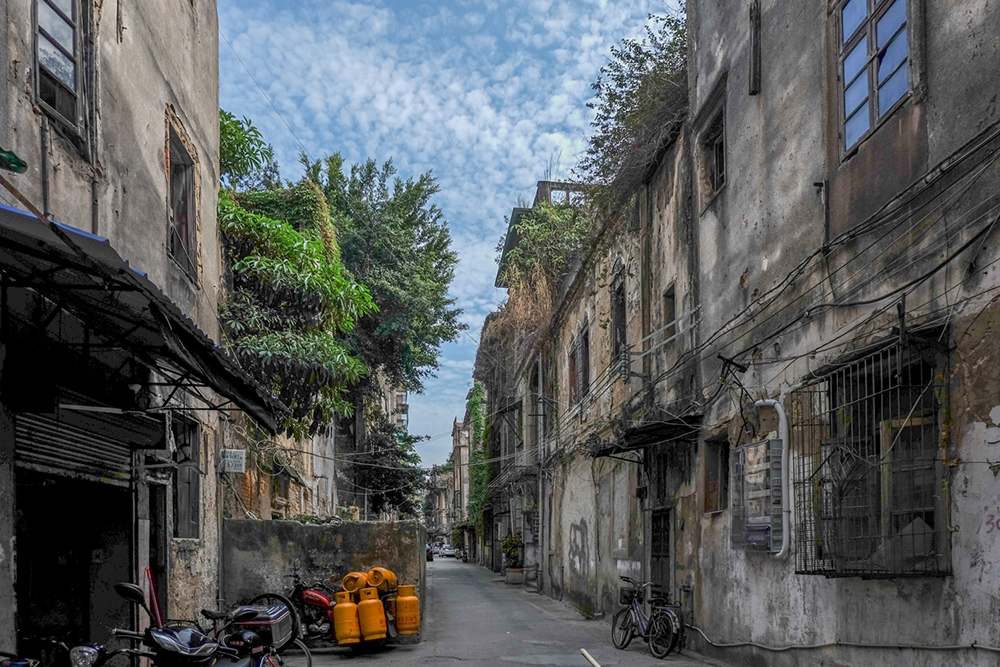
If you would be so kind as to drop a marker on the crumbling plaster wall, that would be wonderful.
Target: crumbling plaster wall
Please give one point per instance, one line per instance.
(771, 214)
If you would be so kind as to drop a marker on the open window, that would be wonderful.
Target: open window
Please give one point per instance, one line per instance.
(868, 473)
(579, 365)
(59, 75)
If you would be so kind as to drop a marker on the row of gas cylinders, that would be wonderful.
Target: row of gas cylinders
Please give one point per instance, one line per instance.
(360, 611)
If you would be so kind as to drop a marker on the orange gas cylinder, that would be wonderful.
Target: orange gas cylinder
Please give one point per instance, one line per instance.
(372, 615)
(354, 581)
(407, 611)
(346, 626)
(382, 579)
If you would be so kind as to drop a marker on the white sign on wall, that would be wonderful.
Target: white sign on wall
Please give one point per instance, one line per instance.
(234, 460)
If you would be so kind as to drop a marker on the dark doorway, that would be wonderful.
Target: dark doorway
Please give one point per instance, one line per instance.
(159, 541)
(73, 545)
(660, 554)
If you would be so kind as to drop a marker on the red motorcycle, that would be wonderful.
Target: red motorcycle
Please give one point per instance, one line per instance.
(311, 605)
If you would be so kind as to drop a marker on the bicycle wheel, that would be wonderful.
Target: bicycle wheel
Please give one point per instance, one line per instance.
(622, 629)
(293, 660)
(662, 637)
(271, 599)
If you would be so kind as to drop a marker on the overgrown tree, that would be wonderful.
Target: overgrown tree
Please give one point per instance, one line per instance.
(290, 303)
(640, 99)
(397, 243)
(389, 470)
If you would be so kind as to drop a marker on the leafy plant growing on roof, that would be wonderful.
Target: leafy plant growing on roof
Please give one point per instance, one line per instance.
(290, 303)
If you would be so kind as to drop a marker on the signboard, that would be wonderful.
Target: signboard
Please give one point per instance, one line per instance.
(234, 460)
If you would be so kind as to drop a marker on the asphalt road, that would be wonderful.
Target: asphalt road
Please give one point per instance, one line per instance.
(472, 619)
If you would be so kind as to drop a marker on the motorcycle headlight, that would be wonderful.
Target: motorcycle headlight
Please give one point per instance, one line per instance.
(84, 656)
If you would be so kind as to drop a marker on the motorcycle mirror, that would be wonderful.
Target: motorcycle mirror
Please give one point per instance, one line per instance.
(131, 592)
(244, 614)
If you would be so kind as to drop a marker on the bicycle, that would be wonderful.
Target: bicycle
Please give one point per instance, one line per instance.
(663, 629)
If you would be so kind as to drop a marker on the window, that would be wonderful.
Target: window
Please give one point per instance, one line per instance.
(867, 470)
(716, 474)
(669, 313)
(873, 57)
(579, 365)
(619, 341)
(183, 221)
(59, 76)
(187, 477)
(713, 149)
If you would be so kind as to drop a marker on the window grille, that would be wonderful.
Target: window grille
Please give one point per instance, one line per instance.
(867, 468)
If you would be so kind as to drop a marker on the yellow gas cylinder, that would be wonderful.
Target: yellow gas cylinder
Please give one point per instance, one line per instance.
(346, 626)
(382, 579)
(354, 581)
(372, 615)
(407, 611)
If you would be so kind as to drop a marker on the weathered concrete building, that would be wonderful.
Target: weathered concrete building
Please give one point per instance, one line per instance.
(773, 377)
(109, 434)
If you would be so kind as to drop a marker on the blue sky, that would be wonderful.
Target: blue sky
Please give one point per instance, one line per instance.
(484, 94)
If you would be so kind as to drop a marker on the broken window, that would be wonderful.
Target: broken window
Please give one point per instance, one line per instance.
(182, 205)
(59, 76)
(716, 474)
(619, 341)
(187, 477)
(713, 150)
(868, 473)
(873, 57)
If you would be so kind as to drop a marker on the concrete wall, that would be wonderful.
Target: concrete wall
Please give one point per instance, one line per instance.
(258, 554)
(770, 216)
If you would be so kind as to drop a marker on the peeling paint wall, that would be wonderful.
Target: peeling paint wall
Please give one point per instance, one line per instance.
(790, 190)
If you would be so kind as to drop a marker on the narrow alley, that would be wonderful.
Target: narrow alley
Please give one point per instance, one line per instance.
(472, 618)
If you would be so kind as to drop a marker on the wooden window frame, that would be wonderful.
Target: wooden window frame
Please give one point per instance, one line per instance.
(186, 255)
(187, 480)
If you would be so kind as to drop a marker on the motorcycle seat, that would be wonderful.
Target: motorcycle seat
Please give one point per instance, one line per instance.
(185, 642)
(214, 615)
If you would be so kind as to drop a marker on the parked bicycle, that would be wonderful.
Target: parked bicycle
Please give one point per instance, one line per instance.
(663, 629)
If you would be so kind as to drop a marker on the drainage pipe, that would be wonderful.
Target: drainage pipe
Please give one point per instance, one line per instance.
(786, 496)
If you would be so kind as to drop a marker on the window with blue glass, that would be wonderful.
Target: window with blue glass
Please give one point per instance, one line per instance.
(874, 63)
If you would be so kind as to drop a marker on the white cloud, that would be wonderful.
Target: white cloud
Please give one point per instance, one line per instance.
(483, 93)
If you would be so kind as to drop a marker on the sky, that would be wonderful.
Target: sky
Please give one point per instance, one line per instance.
(490, 96)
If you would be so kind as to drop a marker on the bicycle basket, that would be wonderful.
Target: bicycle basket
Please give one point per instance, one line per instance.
(626, 595)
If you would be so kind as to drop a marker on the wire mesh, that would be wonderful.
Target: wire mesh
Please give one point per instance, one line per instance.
(869, 482)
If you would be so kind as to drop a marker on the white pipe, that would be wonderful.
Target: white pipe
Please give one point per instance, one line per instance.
(786, 495)
(589, 658)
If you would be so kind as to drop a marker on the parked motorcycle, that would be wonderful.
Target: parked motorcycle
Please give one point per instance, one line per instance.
(169, 646)
(310, 605)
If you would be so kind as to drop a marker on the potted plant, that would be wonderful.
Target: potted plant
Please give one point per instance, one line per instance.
(511, 547)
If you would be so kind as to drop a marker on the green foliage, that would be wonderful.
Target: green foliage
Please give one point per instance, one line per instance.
(511, 547)
(397, 243)
(549, 237)
(390, 470)
(640, 96)
(479, 470)
(289, 305)
(242, 150)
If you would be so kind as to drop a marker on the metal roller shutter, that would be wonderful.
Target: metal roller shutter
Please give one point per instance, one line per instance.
(45, 444)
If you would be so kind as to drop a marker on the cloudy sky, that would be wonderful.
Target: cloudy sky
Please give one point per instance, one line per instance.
(486, 94)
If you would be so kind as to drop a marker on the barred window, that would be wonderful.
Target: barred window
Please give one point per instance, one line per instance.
(867, 470)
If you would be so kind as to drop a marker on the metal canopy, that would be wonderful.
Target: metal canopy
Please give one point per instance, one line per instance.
(86, 277)
(648, 434)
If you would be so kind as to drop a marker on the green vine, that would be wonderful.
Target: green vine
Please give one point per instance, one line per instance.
(479, 470)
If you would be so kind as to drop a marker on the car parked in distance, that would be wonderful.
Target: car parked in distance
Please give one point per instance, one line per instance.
(448, 550)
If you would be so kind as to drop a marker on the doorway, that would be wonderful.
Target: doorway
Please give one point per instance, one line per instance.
(659, 563)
